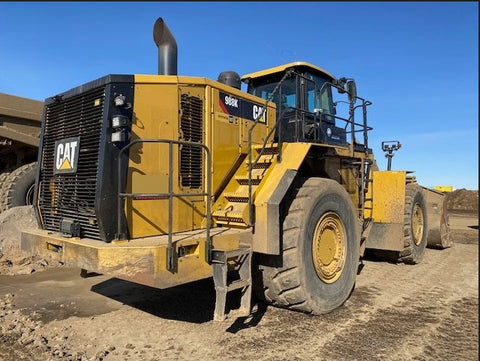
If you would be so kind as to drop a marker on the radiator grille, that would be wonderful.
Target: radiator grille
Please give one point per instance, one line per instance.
(72, 196)
(191, 130)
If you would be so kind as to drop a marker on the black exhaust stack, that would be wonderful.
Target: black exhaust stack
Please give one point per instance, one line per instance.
(167, 48)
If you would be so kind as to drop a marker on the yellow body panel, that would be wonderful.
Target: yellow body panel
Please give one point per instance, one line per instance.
(225, 142)
(389, 196)
(142, 260)
(229, 139)
(158, 115)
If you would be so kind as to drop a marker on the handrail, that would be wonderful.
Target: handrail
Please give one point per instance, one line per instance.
(351, 119)
(169, 195)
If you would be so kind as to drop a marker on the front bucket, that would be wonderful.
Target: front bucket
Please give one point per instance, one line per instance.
(438, 219)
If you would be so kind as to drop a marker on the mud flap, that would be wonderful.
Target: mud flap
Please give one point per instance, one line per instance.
(386, 236)
(386, 232)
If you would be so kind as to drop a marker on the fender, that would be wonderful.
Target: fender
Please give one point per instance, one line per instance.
(266, 236)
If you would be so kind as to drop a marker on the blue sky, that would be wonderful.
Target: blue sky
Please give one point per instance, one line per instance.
(416, 61)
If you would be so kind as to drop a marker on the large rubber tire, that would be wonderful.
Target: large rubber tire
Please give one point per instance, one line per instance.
(415, 228)
(18, 187)
(3, 189)
(293, 281)
(3, 178)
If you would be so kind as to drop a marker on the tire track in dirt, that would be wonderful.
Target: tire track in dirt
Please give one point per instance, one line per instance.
(455, 337)
(405, 331)
(392, 315)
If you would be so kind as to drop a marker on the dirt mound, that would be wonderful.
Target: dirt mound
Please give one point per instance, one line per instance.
(12, 259)
(462, 200)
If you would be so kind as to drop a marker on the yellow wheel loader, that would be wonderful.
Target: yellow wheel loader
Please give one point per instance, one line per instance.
(167, 179)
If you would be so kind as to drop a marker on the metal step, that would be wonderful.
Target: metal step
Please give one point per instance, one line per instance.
(263, 162)
(229, 218)
(219, 256)
(242, 258)
(237, 284)
(231, 214)
(239, 197)
(243, 180)
(231, 222)
(268, 150)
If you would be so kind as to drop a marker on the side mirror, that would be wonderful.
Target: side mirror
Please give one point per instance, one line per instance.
(352, 91)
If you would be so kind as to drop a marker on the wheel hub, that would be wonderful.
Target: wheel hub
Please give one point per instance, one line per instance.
(417, 224)
(329, 247)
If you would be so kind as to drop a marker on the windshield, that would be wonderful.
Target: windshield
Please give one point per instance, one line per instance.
(286, 96)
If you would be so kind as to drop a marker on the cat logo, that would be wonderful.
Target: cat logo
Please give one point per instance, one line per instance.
(66, 155)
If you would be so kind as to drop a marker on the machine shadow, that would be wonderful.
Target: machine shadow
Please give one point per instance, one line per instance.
(192, 302)
(258, 310)
(377, 256)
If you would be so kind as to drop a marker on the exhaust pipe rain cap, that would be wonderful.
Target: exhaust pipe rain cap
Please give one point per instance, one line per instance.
(167, 48)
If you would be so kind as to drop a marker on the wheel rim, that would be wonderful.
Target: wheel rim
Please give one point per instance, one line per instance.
(417, 224)
(329, 247)
(29, 195)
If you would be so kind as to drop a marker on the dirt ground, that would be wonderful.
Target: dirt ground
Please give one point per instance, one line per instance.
(397, 312)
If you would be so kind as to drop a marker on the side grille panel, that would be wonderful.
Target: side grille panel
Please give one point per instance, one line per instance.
(191, 130)
(72, 195)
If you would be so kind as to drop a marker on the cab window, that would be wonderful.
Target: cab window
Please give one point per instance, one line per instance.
(318, 95)
(285, 96)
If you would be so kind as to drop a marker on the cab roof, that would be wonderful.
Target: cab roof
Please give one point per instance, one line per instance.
(282, 68)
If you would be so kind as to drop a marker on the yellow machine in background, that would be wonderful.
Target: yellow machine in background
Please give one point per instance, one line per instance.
(166, 179)
(444, 188)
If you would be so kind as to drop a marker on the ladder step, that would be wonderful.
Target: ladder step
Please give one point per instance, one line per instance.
(232, 223)
(235, 285)
(234, 216)
(263, 162)
(240, 197)
(222, 256)
(243, 180)
(227, 214)
(264, 158)
(268, 150)
(243, 264)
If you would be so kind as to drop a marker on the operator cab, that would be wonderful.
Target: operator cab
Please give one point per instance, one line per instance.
(305, 108)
